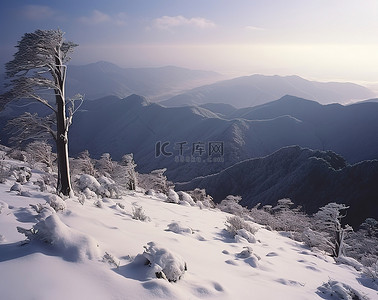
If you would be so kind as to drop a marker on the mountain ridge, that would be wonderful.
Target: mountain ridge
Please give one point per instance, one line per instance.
(258, 89)
(309, 178)
(101, 79)
(134, 125)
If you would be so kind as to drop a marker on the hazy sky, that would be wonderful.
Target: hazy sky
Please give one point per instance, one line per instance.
(316, 39)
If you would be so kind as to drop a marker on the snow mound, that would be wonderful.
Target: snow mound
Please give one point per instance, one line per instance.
(350, 262)
(177, 228)
(56, 202)
(185, 198)
(338, 290)
(243, 234)
(16, 187)
(164, 263)
(91, 187)
(173, 197)
(245, 253)
(73, 245)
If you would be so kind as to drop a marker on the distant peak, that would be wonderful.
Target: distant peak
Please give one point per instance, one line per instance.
(291, 98)
(137, 100)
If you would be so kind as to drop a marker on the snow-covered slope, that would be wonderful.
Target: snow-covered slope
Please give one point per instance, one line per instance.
(90, 249)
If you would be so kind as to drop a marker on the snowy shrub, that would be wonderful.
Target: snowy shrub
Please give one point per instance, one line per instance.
(264, 217)
(124, 173)
(282, 205)
(139, 214)
(338, 290)
(98, 203)
(21, 174)
(372, 272)
(84, 164)
(56, 202)
(235, 223)
(120, 205)
(50, 181)
(150, 192)
(91, 187)
(109, 186)
(4, 172)
(156, 180)
(363, 243)
(105, 165)
(16, 154)
(164, 263)
(172, 196)
(41, 184)
(315, 239)
(2, 206)
(177, 228)
(185, 198)
(39, 152)
(73, 245)
(282, 218)
(289, 219)
(86, 183)
(110, 259)
(37, 207)
(201, 198)
(231, 205)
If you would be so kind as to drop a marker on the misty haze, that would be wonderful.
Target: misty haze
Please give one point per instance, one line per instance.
(189, 150)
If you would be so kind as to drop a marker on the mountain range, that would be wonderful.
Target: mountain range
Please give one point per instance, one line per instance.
(309, 178)
(134, 125)
(102, 79)
(120, 126)
(257, 89)
(174, 86)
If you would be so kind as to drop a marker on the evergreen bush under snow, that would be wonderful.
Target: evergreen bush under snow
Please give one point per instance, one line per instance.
(164, 263)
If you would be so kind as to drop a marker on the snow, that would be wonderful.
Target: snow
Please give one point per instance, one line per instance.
(90, 251)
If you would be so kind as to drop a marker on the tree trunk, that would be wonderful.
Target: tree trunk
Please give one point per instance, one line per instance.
(339, 243)
(64, 179)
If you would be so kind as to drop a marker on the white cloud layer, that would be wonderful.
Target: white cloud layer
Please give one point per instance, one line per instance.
(167, 22)
(97, 17)
(38, 12)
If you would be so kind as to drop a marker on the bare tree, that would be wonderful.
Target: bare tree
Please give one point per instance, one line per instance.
(38, 72)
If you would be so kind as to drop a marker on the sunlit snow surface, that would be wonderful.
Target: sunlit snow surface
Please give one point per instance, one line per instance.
(93, 250)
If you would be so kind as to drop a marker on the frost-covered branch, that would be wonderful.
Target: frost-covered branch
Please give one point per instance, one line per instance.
(73, 108)
(31, 127)
(36, 56)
